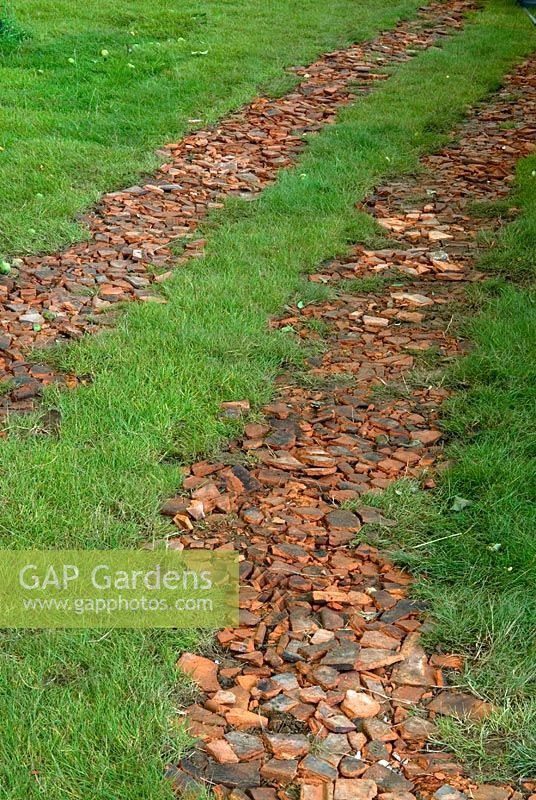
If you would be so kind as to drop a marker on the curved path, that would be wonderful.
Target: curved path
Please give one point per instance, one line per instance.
(48, 299)
(324, 684)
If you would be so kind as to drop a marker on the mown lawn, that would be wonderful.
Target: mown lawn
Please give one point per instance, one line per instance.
(87, 715)
(97, 85)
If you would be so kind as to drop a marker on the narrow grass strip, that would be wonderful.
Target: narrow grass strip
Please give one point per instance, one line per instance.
(158, 381)
(513, 253)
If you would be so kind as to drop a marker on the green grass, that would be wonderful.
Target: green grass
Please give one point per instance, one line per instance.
(11, 33)
(158, 379)
(480, 579)
(365, 285)
(515, 258)
(75, 122)
(318, 327)
(95, 706)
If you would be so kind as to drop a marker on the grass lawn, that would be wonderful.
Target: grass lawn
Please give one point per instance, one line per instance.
(99, 84)
(481, 580)
(86, 715)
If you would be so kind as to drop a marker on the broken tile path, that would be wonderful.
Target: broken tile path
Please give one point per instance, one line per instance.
(324, 685)
(48, 299)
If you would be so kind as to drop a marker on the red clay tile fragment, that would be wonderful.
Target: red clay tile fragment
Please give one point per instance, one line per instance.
(355, 789)
(220, 750)
(461, 705)
(359, 704)
(287, 746)
(202, 670)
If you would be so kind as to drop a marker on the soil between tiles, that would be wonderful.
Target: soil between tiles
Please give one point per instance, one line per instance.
(49, 299)
(324, 684)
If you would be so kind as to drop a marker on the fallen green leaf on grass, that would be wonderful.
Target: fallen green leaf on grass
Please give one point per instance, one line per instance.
(459, 503)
